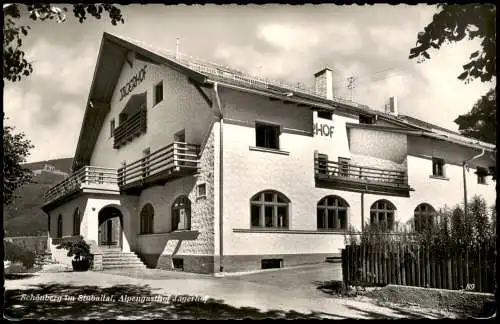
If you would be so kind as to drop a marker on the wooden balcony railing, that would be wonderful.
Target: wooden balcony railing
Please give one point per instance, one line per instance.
(86, 176)
(162, 163)
(325, 169)
(132, 127)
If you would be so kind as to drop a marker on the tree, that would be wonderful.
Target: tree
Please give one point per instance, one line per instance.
(480, 122)
(15, 65)
(452, 24)
(16, 149)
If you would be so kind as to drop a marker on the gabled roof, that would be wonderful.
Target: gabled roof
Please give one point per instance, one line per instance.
(113, 54)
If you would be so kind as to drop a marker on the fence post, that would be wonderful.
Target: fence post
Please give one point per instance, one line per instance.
(402, 264)
(377, 264)
(343, 253)
(392, 270)
(427, 263)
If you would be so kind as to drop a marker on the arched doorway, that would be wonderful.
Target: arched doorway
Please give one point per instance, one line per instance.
(110, 227)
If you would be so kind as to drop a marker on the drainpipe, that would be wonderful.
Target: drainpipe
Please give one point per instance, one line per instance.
(221, 120)
(464, 165)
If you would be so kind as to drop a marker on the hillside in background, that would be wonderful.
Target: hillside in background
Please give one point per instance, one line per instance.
(63, 165)
(24, 215)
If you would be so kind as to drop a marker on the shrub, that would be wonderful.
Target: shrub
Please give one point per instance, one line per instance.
(15, 267)
(14, 252)
(77, 247)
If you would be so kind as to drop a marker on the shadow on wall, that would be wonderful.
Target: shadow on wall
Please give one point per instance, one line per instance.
(198, 307)
(161, 242)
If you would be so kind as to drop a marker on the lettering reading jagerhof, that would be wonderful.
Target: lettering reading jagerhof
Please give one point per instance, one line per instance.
(134, 82)
(323, 129)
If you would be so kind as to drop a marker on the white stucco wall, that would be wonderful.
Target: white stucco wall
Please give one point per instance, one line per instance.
(247, 172)
(182, 108)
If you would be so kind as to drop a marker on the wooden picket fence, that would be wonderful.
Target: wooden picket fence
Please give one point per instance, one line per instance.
(455, 268)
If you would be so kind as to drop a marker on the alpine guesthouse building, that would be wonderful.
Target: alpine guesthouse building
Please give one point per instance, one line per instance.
(184, 164)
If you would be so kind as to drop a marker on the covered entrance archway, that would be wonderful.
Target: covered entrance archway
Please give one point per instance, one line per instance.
(110, 227)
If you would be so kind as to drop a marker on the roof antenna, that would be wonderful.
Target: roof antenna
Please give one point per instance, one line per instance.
(177, 44)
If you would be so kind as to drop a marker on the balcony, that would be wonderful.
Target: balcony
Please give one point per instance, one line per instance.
(95, 179)
(131, 128)
(172, 161)
(344, 176)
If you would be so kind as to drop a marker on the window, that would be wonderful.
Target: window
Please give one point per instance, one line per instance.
(424, 216)
(59, 226)
(364, 119)
(481, 175)
(178, 263)
(332, 213)
(269, 209)
(145, 162)
(122, 118)
(267, 136)
(325, 114)
(382, 213)
(76, 222)
(271, 263)
(202, 190)
(437, 167)
(147, 219)
(181, 214)
(112, 128)
(158, 92)
(180, 136)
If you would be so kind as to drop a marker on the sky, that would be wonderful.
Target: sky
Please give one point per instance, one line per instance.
(369, 43)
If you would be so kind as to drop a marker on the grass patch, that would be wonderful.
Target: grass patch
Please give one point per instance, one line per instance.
(467, 303)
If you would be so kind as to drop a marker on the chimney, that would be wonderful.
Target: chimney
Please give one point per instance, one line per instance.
(392, 107)
(323, 83)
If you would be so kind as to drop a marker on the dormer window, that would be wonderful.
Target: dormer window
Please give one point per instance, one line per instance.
(325, 114)
(365, 119)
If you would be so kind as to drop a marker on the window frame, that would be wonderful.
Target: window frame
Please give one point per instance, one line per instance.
(76, 222)
(59, 232)
(158, 85)
(440, 163)
(366, 119)
(339, 204)
(481, 173)
(429, 211)
(385, 211)
(201, 185)
(276, 128)
(323, 113)
(187, 214)
(259, 200)
(146, 220)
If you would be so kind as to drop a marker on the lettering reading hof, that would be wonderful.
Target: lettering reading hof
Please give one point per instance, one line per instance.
(134, 82)
(323, 129)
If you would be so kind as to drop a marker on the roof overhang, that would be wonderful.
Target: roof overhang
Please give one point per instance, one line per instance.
(112, 55)
(422, 134)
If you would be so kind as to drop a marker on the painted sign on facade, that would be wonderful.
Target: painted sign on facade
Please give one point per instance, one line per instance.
(322, 129)
(134, 82)
(330, 136)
